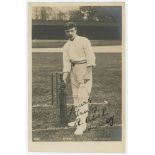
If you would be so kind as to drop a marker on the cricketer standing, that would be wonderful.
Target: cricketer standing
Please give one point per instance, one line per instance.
(78, 61)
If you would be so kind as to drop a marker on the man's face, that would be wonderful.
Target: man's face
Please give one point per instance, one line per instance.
(71, 33)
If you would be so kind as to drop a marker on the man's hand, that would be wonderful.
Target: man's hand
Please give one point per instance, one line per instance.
(65, 75)
(65, 81)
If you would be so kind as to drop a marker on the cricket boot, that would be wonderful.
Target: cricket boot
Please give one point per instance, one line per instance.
(80, 129)
(81, 124)
(72, 124)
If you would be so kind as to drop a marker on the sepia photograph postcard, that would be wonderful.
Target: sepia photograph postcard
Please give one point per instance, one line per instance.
(76, 77)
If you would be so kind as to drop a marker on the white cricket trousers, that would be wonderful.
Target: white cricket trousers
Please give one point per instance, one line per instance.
(81, 91)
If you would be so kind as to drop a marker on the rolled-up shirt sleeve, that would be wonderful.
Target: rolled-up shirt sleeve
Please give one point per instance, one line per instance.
(90, 56)
(66, 62)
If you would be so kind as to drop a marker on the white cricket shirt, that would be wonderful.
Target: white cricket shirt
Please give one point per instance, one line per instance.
(77, 50)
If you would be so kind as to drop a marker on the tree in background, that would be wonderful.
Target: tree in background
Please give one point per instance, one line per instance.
(102, 14)
(75, 15)
(87, 12)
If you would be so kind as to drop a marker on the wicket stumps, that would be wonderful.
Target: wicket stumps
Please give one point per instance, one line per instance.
(58, 93)
(54, 87)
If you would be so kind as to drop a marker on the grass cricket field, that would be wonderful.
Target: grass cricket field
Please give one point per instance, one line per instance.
(104, 121)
